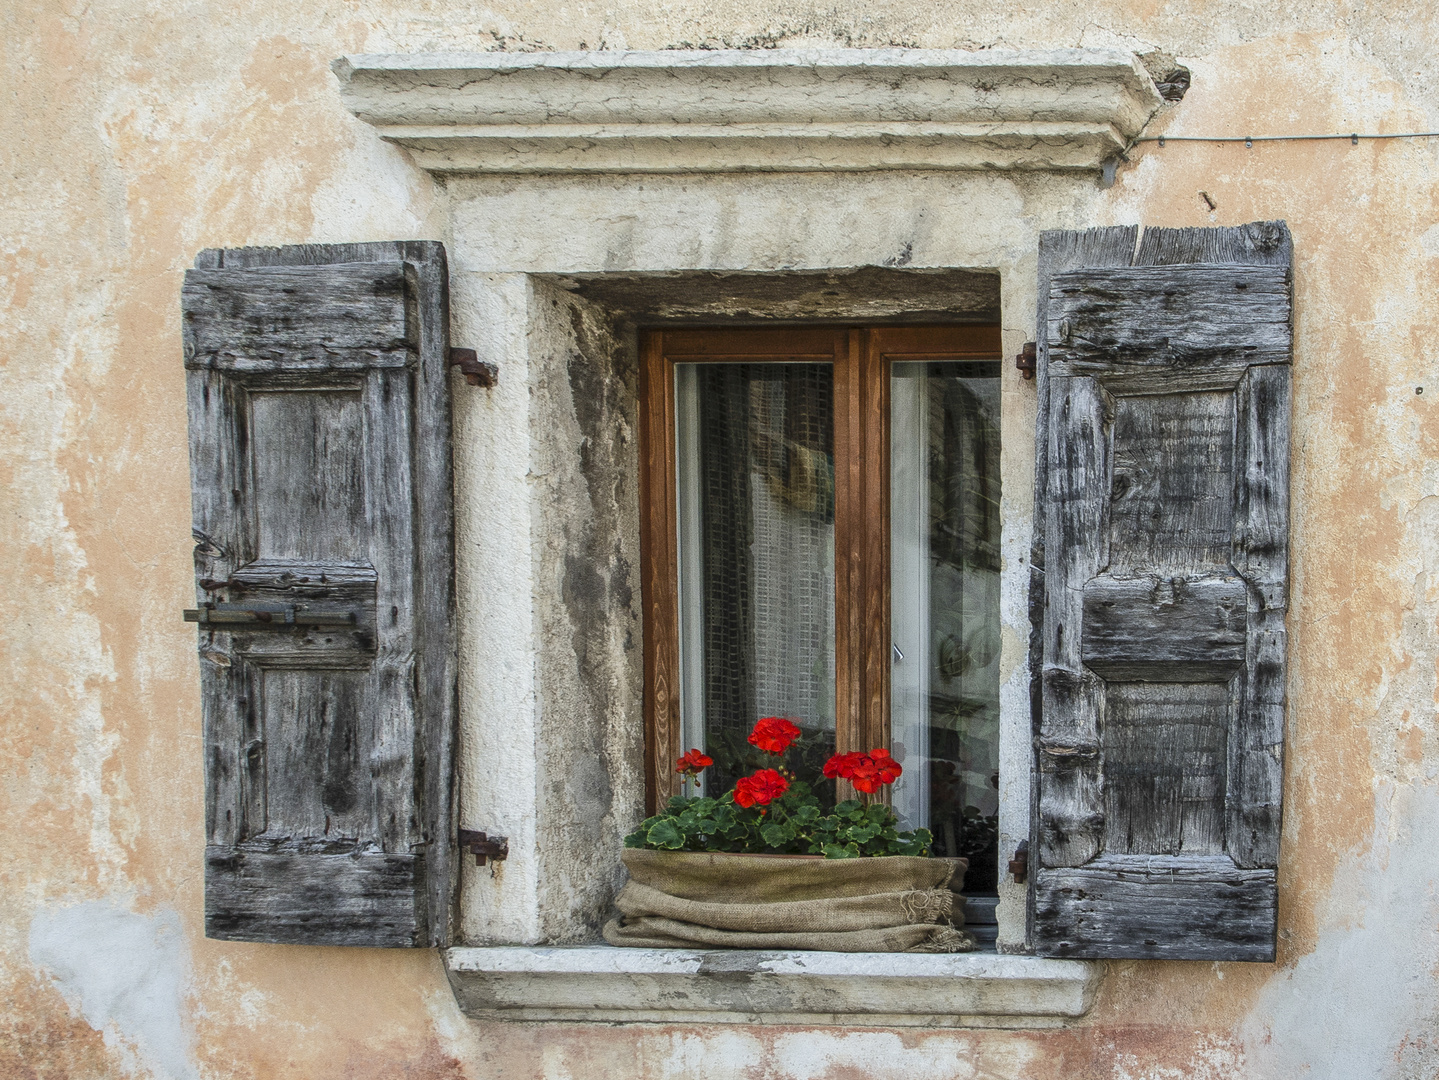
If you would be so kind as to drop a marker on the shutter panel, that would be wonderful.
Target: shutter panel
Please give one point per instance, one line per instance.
(320, 472)
(1163, 581)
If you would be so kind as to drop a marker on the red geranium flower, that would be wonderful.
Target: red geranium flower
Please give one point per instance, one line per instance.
(889, 769)
(763, 787)
(867, 772)
(691, 763)
(773, 735)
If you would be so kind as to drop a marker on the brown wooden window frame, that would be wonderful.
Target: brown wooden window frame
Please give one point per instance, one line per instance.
(861, 357)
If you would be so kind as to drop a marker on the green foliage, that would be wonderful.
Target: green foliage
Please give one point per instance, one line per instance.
(794, 824)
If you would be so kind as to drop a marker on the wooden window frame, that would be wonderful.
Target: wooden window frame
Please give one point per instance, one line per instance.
(861, 357)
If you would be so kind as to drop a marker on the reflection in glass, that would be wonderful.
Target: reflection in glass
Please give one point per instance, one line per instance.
(755, 472)
(944, 583)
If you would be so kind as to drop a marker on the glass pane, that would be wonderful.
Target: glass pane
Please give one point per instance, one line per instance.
(755, 448)
(944, 550)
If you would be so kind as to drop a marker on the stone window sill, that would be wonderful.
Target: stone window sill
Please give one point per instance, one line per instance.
(603, 984)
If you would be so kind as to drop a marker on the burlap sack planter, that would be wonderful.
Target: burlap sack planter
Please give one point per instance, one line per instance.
(684, 899)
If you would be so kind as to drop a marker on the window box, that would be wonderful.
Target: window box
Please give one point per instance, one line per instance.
(721, 900)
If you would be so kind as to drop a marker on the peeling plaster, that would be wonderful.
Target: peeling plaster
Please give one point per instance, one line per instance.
(1365, 1002)
(126, 974)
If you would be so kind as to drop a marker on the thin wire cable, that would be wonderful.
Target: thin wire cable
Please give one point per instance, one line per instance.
(1250, 140)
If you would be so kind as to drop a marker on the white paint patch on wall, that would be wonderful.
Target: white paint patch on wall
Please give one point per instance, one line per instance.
(825, 1054)
(1365, 1002)
(807, 1055)
(126, 975)
(457, 1036)
(390, 202)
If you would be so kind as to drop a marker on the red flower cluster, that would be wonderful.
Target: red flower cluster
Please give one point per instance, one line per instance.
(867, 772)
(773, 735)
(692, 762)
(763, 787)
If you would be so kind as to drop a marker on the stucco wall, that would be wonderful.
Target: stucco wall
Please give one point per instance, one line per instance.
(134, 135)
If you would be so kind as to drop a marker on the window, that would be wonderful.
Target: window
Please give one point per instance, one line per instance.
(1158, 580)
(821, 529)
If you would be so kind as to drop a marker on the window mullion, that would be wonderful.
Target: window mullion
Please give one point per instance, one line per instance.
(861, 542)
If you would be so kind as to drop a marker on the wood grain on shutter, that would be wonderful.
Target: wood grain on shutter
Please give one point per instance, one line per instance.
(1160, 588)
(1058, 252)
(340, 317)
(320, 464)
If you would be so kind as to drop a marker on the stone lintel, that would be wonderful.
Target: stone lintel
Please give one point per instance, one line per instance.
(777, 110)
(603, 984)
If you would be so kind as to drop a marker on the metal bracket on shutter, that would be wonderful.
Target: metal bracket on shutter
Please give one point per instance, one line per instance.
(265, 617)
(1019, 865)
(1027, 359)
(484, 847)
(477, 372)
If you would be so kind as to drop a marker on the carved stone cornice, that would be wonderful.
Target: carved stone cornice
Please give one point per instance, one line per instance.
(786, 110)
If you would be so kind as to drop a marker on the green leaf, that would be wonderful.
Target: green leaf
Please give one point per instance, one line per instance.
(776, 834)
(835, 851)
(665, 834)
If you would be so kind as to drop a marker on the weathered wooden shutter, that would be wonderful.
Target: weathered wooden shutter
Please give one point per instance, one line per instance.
(1163, 579)
(320, 471)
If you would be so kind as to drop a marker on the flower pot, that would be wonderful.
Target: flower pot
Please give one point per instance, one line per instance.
(681, 899)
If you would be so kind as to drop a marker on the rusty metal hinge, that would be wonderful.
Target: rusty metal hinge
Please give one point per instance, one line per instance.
(477, 372)
(484, 847)
(1019, 865)
(1027, 359)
